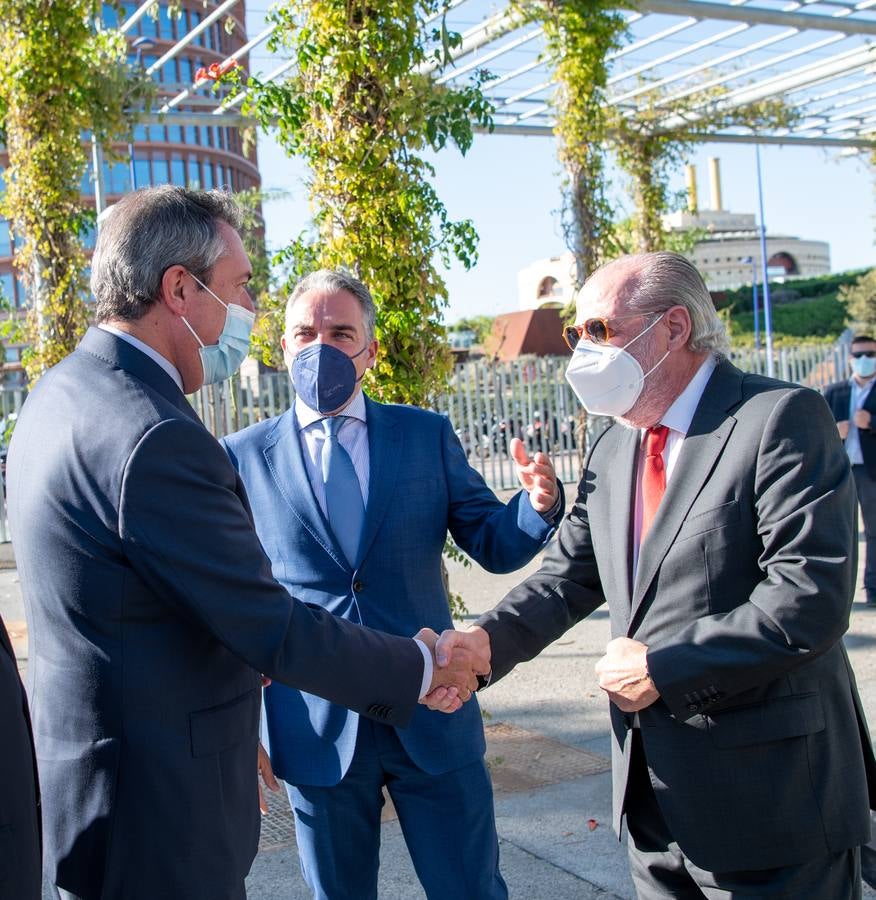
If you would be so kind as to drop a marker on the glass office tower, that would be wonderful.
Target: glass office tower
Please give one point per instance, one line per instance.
(203, 156)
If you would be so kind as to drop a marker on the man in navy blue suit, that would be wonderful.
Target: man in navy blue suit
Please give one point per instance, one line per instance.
(19, 791)
(409, 483)
(150, 602)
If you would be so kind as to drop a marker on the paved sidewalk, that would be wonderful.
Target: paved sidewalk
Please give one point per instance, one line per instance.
(547, 726)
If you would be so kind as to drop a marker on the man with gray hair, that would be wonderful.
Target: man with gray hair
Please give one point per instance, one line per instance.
(151, 606)
(352, 500)
(716, 519)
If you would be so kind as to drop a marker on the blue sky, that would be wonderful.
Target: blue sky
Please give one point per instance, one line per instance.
(510, 187)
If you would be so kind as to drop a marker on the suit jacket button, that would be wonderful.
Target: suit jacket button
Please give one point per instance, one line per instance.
(692, 707)
(357, 586)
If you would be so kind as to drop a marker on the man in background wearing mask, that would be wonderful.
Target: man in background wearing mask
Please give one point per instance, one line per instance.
(369, 550)
(853, 405)
(150, 602)
(716, 519)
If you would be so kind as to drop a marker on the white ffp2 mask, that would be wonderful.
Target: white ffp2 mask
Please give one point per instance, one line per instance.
(606, 379)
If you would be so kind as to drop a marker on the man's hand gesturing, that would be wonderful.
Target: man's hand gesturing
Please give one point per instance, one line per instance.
(537, 476)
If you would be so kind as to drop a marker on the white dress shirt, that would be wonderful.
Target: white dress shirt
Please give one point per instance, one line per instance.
(353, 437)
(153, 354)
(677, 419)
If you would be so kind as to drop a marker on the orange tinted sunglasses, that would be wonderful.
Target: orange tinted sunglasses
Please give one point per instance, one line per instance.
(597, 329)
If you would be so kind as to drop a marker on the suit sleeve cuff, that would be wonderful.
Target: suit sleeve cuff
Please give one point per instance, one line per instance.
(427, 668)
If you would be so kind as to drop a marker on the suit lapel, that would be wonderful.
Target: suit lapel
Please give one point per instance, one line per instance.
(284, 456)
(384, 452)
(613, 502)
(709, 430)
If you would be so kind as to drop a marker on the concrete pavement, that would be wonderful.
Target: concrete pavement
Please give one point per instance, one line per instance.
(547, 725)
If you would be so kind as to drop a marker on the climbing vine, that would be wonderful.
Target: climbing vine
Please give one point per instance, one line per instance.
(579, 36)
(61, 80)
(655, 138)
(361, 110)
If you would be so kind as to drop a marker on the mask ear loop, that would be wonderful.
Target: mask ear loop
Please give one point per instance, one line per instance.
(194, 333)
(656, 365)
(640, 334)
(204, 286)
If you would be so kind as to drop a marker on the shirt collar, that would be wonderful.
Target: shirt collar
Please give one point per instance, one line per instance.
(857, 386)
(307, 416)
(151, 352)
(679, 416)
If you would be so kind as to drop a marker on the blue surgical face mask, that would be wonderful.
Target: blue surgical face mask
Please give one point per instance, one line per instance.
(864, 366)
(324, 377)
(222, 359)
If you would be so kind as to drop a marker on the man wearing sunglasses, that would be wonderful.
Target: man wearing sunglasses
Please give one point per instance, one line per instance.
(716, 520)
(853, 404)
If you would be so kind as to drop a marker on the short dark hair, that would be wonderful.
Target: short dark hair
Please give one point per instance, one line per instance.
(863, 339)
(148, 231)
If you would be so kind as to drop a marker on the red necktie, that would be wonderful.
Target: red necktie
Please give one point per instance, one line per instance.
(653, 475)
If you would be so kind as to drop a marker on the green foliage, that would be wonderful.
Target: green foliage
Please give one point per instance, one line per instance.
(360, 109)
(579, 35)
(482, 326)
(263, 286)
(860, 299)
(627, 235)
(59, 79)
(815, 319)
(652, 140)
(458, 609)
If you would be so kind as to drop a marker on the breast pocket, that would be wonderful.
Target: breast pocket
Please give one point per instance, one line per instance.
(714, 519)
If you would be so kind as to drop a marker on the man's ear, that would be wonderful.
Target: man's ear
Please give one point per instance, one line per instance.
(287, 356)
(678, 320)
(372, 353)
(173, 290)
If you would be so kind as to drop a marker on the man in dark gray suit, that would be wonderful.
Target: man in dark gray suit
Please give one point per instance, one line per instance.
(150, 602)
(716, 519)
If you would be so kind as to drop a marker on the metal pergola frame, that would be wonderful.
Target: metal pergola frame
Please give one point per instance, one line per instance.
(818, 55)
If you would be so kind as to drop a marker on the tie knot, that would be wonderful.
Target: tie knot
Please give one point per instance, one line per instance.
(655, 440)
(333, 424)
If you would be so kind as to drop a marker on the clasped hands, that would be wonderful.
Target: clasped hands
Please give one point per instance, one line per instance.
(460, 656)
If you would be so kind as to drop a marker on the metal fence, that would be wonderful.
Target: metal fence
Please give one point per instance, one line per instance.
(488, 404)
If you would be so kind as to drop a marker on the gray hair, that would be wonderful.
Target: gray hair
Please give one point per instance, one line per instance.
(330, 281)
(662, 280)
(148, 231)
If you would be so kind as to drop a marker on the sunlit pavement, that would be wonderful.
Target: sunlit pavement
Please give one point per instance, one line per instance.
(547, 726)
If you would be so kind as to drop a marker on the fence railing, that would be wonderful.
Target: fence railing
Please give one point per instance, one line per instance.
(488, 404)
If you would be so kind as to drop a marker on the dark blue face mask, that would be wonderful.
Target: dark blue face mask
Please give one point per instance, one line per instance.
(324, 377)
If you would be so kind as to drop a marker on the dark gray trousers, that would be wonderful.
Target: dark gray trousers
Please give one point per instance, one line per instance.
(660, 869)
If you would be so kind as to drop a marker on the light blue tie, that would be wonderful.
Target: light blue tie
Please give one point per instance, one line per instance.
(343, 496)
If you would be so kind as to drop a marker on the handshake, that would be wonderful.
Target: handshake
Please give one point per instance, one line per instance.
(458, 658)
